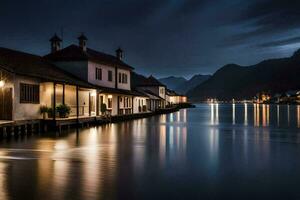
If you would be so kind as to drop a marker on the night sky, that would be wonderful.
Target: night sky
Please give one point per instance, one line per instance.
(160, 37)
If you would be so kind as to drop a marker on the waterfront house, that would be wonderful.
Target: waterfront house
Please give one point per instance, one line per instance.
(141, 102)
(152, 88)
(109, 73)
(28, 82)
(92, 84)
(172, 98)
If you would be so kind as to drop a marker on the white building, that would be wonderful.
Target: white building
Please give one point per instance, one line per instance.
(29, 82)
(172, 98)
(109, 73)
(151, 87)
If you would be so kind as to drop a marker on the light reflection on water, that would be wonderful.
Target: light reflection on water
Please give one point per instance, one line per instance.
(228, 149)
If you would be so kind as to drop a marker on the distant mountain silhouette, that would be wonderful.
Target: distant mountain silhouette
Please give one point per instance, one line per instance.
(181, 85)
(173, 82)
(192, 83)
(234, 81)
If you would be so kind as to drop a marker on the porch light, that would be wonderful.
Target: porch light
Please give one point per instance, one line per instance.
(93, 94)
(2, 83)
(109, 96)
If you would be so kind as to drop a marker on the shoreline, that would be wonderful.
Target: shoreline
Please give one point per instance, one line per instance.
(43, 126)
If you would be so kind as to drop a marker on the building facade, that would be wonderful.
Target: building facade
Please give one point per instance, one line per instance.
(89, 82)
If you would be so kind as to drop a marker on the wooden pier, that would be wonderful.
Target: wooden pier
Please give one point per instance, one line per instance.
(16, 128)
(25, 127)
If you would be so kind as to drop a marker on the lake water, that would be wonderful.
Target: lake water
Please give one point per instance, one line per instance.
(210, 152)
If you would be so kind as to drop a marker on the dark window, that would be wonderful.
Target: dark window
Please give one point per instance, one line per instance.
(98, 74)
(110, 75)
(29, 93)
(125, 78)
(120, 77)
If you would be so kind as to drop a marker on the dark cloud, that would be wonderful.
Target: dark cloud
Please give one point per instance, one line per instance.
(160, 37)
(281, 42)
(266, 17)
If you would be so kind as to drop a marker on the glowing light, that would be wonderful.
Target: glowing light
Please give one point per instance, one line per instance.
(93, 94)
(109, 96)
(2, 83)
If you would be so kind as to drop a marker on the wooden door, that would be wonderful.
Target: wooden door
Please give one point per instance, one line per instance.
(91, 104)
(6, 104)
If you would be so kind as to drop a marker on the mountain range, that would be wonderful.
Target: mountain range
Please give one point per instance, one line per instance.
(244, 82)
(182, 85)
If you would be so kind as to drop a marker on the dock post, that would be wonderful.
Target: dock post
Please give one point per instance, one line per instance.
(12, 131)
(39, 128)
(4, 132)
(19, 130)
(32, 128)
(25, 129)
(59, 129)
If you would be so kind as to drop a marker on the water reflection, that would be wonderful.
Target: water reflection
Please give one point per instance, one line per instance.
(214, 114)
(288, 114)
(265, 115)
(3, 181)
(233, 113)
(283, 115)
(256, 114)
(278, 115)
(162, 144)
(298, 116)
(214, 145)
(245, 114)
(184, 114)
(143, 158)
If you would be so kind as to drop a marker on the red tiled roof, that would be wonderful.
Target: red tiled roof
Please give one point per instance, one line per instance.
(75, 53)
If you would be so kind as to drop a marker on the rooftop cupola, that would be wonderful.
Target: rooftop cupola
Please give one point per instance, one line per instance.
(82, 41)
(119, 53)
(55, 43)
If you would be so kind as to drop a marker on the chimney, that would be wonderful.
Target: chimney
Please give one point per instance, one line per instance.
(119, 53)
(55, 43)
(82, 41)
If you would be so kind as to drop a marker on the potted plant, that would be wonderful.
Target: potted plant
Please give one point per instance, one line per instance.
(43, 111)
(63, 110)
(103, 108)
